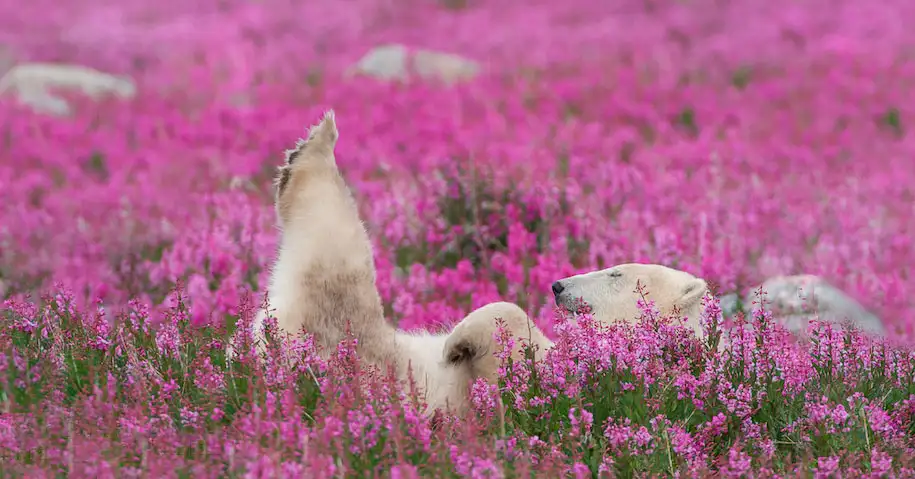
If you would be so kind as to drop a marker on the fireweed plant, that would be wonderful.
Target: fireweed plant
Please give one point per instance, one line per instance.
(734, 140)
(84, 398)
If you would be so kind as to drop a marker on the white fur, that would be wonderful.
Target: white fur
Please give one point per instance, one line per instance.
(612, 295)
(443, 385)
(324, 245)
(298, 251)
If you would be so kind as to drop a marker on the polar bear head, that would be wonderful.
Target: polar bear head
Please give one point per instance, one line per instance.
(611, 293)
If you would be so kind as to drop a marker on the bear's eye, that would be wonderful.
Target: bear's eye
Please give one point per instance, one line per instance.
(615, 274)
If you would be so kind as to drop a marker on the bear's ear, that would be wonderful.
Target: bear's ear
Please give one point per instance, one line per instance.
(468, 342)
(460, 352)
(692, 292)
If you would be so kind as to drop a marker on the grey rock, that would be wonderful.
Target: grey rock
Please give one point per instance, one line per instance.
(44, 102)
(34, 84)
(729, 304)
(447, 66)
(387, 62)
(795, 300)
(7, 60)
(397, 62)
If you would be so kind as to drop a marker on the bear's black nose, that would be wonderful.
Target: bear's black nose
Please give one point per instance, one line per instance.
(558, 288)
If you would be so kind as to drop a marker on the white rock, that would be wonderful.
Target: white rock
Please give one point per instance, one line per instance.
(44, 102)
(397, 62)
(728, 304)
(795, 300)
(447, 66)
(34, 85)
(387, 62)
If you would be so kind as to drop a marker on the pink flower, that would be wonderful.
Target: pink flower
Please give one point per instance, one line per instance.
(826, 466)
(881, 462)
(738, 463)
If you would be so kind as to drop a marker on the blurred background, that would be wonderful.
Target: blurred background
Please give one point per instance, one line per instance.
(494, 146)
(252, 42)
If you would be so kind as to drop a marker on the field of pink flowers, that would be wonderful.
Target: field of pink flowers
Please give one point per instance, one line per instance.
(732, 139)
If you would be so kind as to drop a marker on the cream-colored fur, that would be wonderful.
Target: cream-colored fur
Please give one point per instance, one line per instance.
(611, 293)
(449, 362)
(612, 296)
(324, 273)
(473, 342)
(324, 276)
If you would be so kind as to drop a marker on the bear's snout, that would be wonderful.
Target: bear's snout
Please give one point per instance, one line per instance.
(558, 288)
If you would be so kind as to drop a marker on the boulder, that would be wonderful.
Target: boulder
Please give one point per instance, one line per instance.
(795, 300)
(34, 84)
(397, 62)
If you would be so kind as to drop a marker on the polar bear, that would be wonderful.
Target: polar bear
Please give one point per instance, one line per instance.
(324, 278)
(611, 295)
(787, 298)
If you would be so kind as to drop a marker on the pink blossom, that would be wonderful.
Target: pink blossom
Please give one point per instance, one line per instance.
(734, 140)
